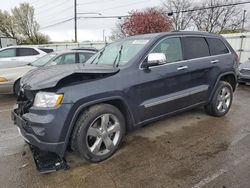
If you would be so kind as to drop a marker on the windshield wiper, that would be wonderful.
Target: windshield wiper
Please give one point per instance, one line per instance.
(99, 56)
(118, 57)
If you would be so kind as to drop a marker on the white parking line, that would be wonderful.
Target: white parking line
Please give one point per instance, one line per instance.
(209, 178)
(220, 172)
(240, 136)
(7, 110)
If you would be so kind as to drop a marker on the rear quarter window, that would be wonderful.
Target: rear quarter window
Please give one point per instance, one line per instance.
(26, 52)
(194, 47)
(216, 46)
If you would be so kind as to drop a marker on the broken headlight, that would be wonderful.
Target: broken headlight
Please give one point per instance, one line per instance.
(47, 100)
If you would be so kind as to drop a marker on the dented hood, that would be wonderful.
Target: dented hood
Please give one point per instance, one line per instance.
(49, 76)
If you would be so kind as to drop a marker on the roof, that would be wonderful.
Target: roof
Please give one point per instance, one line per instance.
(153, 35)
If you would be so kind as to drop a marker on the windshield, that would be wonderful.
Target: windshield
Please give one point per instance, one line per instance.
(43, 60)
(118, 53)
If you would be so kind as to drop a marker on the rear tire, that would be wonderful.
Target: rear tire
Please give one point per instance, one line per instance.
(98, 133)
(221, 101)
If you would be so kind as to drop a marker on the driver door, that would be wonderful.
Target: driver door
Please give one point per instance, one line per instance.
(164, 88)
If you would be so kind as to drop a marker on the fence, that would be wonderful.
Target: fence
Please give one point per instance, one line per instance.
(241, 44)
(67, 46)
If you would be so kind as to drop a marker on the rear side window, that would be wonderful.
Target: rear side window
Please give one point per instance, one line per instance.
(26, 52)
(66, 59)
(194, 47)
(216, 46)
(83, 57)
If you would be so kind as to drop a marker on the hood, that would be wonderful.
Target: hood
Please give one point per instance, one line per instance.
(49, 76)
(245, 65)
(12, 64)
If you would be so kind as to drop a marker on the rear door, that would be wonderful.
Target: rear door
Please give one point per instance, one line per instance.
(27, 54)
(196, 53)
(221, 59)
(69, 58)
(84, 56)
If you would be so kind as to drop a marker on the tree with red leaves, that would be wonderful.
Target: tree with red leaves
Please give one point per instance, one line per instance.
(148, 21)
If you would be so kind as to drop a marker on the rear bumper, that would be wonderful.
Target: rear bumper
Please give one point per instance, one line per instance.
(244, 78)
(42, 130)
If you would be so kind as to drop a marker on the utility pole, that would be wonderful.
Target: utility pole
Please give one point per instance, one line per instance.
(75, 19)
(244, 20)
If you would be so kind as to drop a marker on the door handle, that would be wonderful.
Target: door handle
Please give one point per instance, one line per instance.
(182, 68)
(214, 61)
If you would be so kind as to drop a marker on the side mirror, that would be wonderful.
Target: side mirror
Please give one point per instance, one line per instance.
(155, 59)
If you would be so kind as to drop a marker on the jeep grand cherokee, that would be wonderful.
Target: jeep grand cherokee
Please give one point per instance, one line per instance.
(89, 107)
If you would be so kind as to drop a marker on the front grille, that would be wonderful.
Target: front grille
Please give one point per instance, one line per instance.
(245, 71)
(25, 101)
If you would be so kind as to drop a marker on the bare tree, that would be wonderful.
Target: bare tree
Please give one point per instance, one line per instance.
(180, 20)
(7, 25)
(217, 19)
(117, 32)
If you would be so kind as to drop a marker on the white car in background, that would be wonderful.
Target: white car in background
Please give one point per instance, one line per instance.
(10, 77)
(15, 56)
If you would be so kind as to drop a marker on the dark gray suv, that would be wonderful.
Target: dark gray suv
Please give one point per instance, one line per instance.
(89, 107)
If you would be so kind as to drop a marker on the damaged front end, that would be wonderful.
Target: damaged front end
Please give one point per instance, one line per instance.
(45, 161)
(43, 128)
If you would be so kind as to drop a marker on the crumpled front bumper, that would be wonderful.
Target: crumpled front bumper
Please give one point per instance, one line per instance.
(44, 129)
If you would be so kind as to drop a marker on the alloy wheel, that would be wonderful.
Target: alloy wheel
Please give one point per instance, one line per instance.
(103, 134)
(223, 100)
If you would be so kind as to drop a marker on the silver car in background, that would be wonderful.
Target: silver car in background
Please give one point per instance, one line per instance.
(10, 77)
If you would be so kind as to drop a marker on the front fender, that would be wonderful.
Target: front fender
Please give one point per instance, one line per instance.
(79, 107)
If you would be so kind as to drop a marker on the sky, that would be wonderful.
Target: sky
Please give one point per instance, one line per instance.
(48, 12)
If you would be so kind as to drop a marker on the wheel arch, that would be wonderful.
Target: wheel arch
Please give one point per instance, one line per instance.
(229, 77)
(118, 102)
(14, 85)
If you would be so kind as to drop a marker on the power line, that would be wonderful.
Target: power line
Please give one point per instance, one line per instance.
(94, 2)
(58, 23)
(119, 17)
(49, 16)
(52, 7)
(36, 1)
(210, 7)
(102, 17)
(46, 4)
(125, 5)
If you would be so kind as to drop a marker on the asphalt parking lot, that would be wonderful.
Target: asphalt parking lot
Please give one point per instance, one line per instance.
(188, 150)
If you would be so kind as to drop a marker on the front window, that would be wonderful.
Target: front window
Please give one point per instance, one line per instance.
(8, 53)
(119, 53)
(171, 47)
(44, 60)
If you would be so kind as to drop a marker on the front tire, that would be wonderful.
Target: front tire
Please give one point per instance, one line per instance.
(221, 101)
(99, 132)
